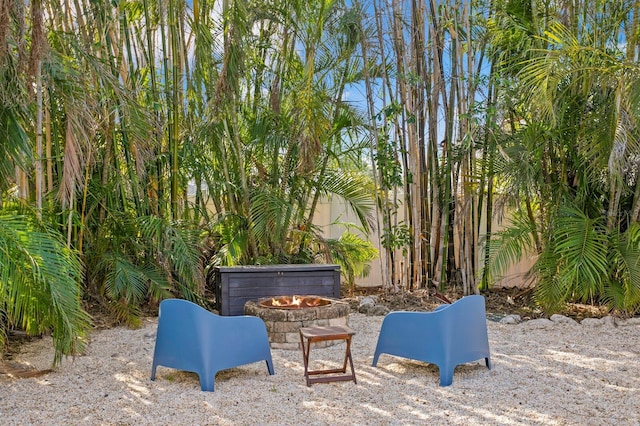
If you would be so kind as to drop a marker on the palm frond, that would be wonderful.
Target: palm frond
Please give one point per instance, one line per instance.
(271, 216)
(177, 252)
(550, 293)
(231, 241)
(14, 149)
(623, 291)
(581, 244)
(127, 284)
(40, 283)
(353, 254)
(353, 189)
(508, 247)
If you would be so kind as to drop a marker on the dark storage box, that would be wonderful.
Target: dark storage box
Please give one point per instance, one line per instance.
(236, 285)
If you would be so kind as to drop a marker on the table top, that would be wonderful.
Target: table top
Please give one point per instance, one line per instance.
(332, 331)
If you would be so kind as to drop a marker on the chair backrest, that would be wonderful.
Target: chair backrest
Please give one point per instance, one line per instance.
(180, 325)
(465, 311)
(467, 325)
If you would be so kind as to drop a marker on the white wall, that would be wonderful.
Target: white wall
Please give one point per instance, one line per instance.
(332, 210)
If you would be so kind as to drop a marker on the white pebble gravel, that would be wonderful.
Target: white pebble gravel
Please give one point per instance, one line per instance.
(559, 374)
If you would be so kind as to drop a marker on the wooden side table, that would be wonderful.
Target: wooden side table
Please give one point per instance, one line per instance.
(308, 335)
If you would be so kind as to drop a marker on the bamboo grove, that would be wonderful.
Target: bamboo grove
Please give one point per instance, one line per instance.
(143, 142)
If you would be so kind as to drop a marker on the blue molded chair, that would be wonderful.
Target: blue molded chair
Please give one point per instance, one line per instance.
(190, 338)
(448, 336)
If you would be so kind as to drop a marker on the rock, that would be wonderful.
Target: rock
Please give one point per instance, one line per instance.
(628, 322)
(561, 319)
(609, 320)
(511, 319)
(378, 310)
(539, 323)
(591, 322)
(369, 300)
(366, 304)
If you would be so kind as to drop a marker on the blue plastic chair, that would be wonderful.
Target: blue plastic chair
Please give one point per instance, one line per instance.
(448, 336)
(190, 338)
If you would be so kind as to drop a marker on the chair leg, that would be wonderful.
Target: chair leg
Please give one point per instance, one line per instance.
(376, 355)
(270, 366)
(446, 375)
(487, 361)
(207, 381)
(153, 372)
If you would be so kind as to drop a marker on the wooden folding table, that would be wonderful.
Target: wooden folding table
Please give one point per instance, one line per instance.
(309, 335)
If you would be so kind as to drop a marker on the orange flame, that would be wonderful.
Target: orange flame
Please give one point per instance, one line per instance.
(295, 302)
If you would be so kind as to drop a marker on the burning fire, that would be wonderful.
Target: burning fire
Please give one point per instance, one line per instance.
(294, 302)
(284, 301)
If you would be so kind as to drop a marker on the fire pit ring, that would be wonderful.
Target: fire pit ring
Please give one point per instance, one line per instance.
(284, 322)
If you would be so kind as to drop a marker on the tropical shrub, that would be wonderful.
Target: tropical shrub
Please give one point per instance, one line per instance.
(40, 283)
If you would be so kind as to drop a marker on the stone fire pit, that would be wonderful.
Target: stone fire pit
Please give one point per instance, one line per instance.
(284, 318)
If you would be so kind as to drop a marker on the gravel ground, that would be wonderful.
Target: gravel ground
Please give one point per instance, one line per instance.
(543, 374)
